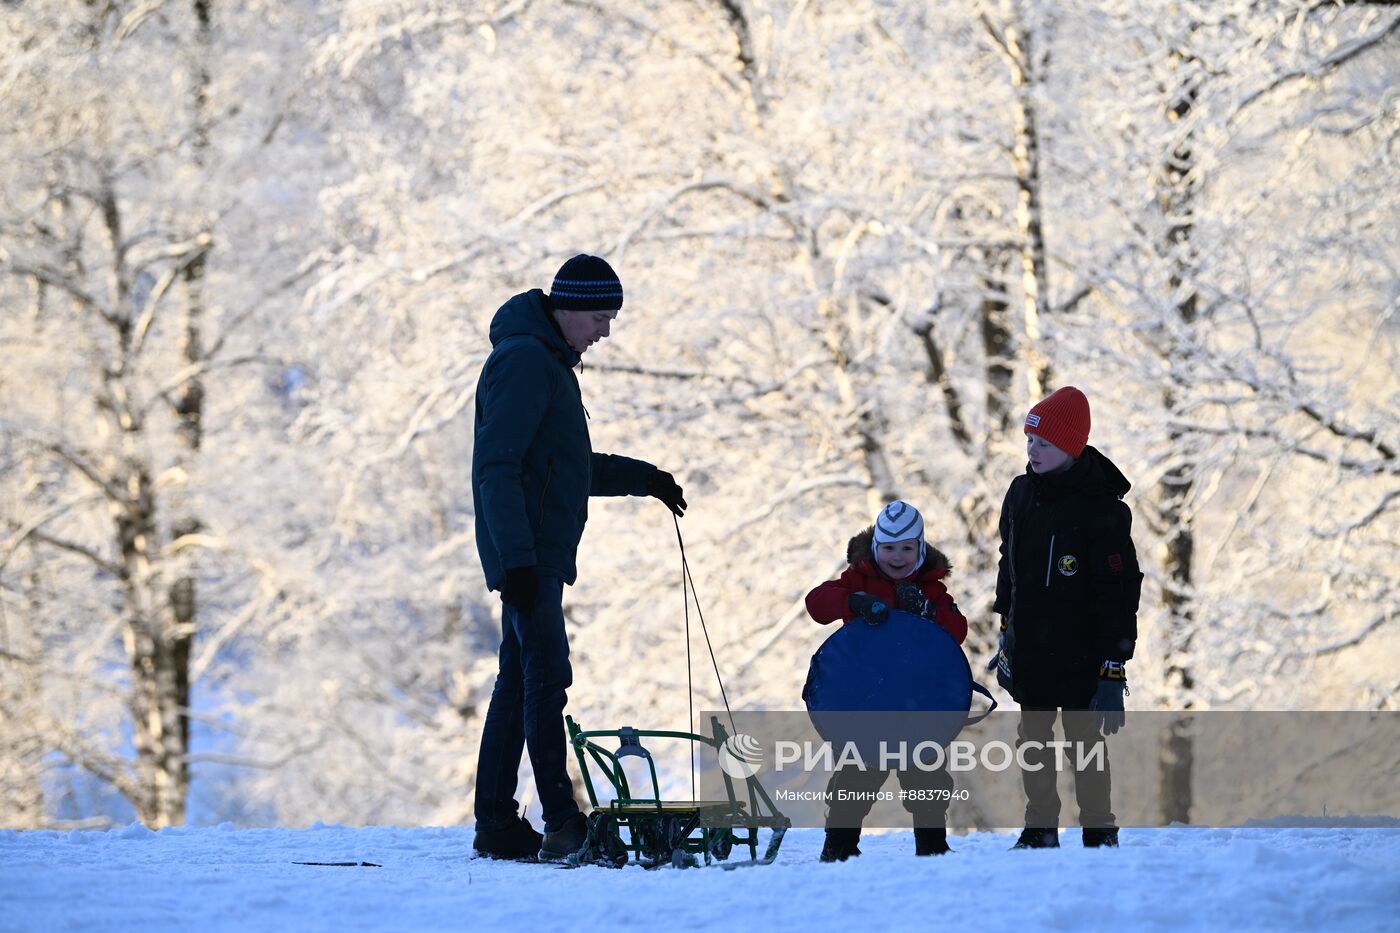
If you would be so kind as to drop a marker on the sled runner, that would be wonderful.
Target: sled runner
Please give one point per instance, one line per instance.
(652, 832)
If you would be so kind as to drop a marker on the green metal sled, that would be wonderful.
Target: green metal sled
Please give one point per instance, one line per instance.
(669, 832)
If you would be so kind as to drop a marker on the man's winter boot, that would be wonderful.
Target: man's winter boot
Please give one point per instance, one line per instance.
(1038, 839)
(840, 845)
(931, 841)
(563, 842)
(515, 841)
(1100, 838)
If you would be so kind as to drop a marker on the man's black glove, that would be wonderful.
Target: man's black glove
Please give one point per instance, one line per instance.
(662, 485)
(1107, 704)
(912, 599)
(870, 608)
(522, 583)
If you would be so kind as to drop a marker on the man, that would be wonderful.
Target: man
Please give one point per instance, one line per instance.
(533, 469)
(1067, 590)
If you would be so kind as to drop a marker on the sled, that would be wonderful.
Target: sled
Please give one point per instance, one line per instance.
(652, 832)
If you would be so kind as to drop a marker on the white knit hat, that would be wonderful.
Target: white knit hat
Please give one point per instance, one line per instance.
(899, 521)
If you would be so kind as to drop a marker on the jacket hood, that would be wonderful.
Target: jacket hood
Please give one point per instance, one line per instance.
(527, 314)
(1093, 473)
(858, 550)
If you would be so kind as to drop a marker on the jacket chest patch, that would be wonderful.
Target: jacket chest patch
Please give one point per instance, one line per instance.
(1069, 565)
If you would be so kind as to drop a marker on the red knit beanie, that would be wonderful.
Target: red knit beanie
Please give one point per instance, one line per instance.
(1062, 418)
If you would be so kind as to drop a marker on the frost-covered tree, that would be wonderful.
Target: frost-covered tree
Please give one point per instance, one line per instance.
(123, 272)
(1227, 320)
(856, 239)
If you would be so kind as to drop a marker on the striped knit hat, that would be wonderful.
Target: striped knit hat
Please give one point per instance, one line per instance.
(586, 283)
(898, 521)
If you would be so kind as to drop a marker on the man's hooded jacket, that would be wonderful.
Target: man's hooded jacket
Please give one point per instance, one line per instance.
(533, 465)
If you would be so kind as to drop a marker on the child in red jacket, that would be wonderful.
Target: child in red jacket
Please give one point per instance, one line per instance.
(891, 566)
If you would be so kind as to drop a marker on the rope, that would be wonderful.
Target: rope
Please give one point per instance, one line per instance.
(688, 579)
(689, 682)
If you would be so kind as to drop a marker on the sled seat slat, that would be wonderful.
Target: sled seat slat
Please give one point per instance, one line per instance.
(674, 806)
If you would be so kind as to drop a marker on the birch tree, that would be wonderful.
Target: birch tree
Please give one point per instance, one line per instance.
(105, 239)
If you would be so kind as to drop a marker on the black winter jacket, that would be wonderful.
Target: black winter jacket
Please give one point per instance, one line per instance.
(533, 464)
(1068, 582)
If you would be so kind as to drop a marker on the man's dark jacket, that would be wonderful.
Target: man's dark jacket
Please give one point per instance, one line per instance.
(1068, 582)
(533, 466)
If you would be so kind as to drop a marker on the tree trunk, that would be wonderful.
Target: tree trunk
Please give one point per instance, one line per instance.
(21, 745)
(1025, 160)
(159, 683)
(870, 424)
(1176, 199)
(189, 412)
(998, 348)
(157, 710)
(937, 374)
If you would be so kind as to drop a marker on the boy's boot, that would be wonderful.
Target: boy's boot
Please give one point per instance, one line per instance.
(840, 845)
(931, 841)
(515, 841)
(563, 842)
(1038, 839)
(1100, 838)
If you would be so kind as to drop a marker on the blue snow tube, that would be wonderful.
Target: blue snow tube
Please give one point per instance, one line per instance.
(904, 680)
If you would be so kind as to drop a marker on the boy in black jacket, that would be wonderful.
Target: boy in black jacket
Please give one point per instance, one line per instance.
(1067, 592)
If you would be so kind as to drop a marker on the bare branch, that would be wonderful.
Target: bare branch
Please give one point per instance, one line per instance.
(237, 319)
(791, 493)
(73, 548)
(187, 253)
(681, 374)
(1367, 467)
(23, 531)
(995, 34)
(61, 282)
(203, 367)
(1356, 639)
(1317, 70)
(94, 475)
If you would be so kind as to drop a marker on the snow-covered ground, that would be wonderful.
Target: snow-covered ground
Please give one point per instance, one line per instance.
(216, 879)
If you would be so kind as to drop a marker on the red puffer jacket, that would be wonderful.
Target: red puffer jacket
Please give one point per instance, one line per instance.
(829, 602)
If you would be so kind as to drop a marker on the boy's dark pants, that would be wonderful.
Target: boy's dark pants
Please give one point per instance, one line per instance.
(527, 710)
(926, 795)
(1092, 786)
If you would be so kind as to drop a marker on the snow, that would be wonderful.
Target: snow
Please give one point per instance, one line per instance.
(219, 878)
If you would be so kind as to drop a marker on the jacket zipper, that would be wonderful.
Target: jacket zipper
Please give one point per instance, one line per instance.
(1049, 562)
(1011, 551)
(548, 475)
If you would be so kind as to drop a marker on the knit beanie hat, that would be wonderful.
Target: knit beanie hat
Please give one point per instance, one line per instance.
(898, 521)
(1062, 418)
(586, 283)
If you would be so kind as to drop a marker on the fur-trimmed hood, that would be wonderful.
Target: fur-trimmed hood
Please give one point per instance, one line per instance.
(858, 549)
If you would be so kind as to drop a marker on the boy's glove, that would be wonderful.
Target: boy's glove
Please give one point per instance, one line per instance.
(870, 608)
(1001, 663)
(662, 485)
(912, 599)
(1107, 704)
(520, 587)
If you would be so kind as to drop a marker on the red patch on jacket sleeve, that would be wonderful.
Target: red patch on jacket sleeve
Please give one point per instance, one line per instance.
(1115, 562)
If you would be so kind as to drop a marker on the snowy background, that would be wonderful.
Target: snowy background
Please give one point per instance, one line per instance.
(249, 252)
(218, 879)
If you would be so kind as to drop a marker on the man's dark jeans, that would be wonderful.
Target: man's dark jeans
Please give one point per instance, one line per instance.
(527, 710)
